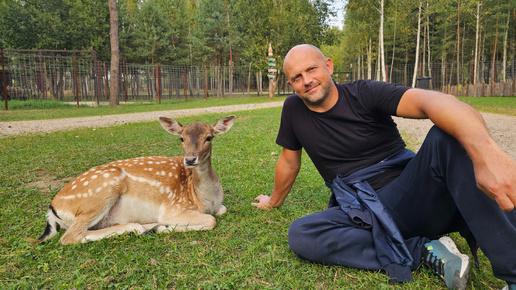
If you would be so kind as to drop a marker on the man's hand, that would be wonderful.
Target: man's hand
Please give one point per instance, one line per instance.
(496, 176)
(263, 202)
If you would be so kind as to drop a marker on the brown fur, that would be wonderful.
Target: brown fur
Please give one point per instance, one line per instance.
(146, 193)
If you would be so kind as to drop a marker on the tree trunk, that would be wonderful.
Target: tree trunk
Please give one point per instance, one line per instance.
(394, 43)
(416, 63)
(504, 62)
(429, 49)
(475, 61)
(115, 55)
(369, 60)
(382, 49)
(493, 69)
(378, 65)
(458, 41)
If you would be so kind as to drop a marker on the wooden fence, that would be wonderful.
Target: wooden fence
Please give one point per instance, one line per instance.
(499, 89)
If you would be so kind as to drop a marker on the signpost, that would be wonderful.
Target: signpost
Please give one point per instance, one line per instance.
(272, 72)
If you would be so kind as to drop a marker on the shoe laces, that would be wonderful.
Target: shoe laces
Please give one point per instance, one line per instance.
(432, 262)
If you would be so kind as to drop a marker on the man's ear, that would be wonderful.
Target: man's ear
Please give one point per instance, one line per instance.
(329, 65)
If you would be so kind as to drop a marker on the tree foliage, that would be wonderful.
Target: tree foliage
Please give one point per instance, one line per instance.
(441, 20)
(210, 32)
(179, 32)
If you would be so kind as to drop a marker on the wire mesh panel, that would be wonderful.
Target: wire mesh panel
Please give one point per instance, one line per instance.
(46, 78)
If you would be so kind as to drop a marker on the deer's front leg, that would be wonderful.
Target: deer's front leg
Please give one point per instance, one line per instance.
(188, 220)
(222, 210)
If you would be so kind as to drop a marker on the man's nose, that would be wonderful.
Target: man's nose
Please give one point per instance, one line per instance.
(307, 80)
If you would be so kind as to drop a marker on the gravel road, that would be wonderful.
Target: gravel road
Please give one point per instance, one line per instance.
(501, 127)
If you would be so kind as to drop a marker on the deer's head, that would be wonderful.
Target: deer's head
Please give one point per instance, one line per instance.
(196, 138)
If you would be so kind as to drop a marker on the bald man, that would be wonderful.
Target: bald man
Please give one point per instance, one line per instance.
(389, 206)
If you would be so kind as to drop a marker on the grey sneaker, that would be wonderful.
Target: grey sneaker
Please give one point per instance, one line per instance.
(443, 258)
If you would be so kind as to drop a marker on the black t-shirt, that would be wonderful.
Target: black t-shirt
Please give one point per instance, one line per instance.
(357, 132)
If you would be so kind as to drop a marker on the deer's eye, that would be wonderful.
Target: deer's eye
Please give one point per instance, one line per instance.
(208, 139)
(182, 140)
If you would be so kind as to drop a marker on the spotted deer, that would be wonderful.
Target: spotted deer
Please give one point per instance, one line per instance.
(145, 194)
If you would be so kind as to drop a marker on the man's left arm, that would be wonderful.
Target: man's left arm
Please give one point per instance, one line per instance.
(495, 170)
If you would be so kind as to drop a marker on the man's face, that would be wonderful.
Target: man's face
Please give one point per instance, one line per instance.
(309, 74)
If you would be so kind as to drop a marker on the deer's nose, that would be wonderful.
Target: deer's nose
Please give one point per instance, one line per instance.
(189, 161)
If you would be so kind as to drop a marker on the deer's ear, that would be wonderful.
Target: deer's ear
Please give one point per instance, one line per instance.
(171, 126)
(223, 125)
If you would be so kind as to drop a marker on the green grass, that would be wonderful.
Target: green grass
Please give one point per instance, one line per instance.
(41, 110)
(248, 248)
(498, 105)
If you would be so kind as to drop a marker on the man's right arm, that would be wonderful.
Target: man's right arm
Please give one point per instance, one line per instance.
(287, 168)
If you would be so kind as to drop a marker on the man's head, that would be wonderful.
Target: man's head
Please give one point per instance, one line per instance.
(309, 74)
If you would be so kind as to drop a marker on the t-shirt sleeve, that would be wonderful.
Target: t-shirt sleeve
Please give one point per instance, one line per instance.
(381, 97)
(286, 136)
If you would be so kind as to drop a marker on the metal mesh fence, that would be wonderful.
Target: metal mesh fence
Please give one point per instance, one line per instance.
(77, 77)
(445, 75)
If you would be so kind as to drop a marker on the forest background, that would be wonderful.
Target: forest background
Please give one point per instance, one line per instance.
(458, 42)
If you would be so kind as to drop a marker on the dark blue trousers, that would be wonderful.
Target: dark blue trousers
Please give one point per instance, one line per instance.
(436, 194)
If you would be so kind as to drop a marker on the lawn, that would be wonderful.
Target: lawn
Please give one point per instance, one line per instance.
(248, 248)
(42, 110)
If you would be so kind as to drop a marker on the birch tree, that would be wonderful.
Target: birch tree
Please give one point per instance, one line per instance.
(382, 47)
(458, 42)
(504, 62)
(475, 59)
(416, 63)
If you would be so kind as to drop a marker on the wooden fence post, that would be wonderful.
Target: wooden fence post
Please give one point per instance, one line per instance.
(159, 85)
(205, 83)
(125, 89)
(75, 80)
(105, 81)
(186, 97)
(4, 81)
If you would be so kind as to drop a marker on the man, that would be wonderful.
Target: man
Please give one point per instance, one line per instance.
(389, 205)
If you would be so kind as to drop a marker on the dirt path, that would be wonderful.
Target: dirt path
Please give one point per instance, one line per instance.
(45, 126)
(502, 128)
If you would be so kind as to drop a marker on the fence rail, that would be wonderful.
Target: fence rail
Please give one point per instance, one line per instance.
(78, 77)
(443, 77)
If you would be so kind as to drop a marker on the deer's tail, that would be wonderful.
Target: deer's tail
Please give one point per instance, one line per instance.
(51, 228)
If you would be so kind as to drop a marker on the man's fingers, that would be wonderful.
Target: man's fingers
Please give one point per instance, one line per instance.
(505, 203)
